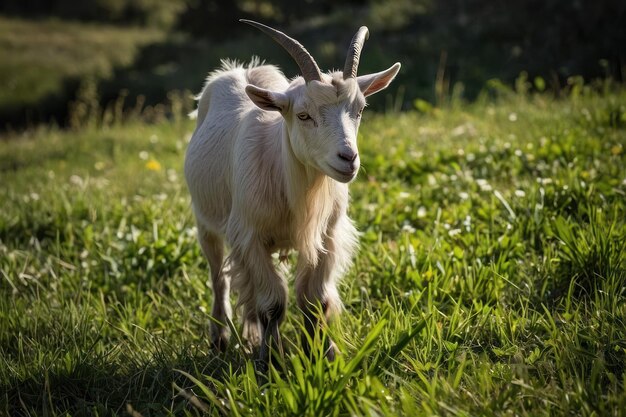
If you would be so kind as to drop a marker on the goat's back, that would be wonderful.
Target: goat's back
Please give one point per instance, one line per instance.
(224, 89)
(223, 109)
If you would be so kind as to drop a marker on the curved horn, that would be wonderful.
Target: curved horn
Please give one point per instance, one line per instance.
(354, 53)
(308, 66)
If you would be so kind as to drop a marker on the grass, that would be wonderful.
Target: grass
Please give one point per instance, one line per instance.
(491, 277)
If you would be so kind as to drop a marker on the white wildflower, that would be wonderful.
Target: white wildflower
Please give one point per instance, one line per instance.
(483, 184)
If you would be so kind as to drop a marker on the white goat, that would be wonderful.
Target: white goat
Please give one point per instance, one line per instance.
(267, 168)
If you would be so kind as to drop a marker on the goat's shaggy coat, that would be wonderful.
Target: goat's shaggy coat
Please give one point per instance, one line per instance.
(267, 168)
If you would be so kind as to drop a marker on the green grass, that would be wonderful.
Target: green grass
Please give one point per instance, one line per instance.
(491, 277)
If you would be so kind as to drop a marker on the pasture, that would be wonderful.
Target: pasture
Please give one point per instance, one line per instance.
(490, 280)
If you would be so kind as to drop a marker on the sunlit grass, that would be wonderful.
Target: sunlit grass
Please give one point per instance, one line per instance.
(490, 279)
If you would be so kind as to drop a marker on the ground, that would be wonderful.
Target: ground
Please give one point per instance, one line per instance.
(490, 279)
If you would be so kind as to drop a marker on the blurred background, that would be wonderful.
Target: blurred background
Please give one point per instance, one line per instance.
(62, 59)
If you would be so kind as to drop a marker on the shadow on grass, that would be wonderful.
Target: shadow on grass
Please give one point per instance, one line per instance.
(99, 387)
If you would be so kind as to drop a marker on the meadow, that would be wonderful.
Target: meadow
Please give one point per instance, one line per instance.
(490, 280)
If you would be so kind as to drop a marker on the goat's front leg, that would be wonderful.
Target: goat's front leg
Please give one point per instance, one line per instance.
(316, 286)
(263, 293)
(270, 319)
(317, 298)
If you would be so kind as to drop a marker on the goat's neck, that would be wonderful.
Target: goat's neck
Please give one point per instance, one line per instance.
(311, 195)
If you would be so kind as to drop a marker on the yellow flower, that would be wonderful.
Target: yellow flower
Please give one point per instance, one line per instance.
(153, 165)
(616, 150)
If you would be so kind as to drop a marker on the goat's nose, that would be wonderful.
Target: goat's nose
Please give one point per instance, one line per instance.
(348, 156)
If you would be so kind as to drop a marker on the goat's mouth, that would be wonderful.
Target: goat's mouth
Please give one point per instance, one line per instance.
(341, 175)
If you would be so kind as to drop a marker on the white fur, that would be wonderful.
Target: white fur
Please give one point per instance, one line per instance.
(265, 181)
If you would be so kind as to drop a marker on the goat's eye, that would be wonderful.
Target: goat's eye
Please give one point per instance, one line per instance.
(359, 114)
(304, 116)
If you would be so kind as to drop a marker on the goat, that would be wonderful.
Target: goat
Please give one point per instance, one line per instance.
(267, 168)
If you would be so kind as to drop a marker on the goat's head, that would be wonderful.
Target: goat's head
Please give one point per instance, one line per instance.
(323, 111)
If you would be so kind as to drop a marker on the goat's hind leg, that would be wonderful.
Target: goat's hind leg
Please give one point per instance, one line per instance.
(213, 248)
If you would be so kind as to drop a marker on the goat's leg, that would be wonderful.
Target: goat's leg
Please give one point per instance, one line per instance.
(213, 248)
(251, 327)
(263, 293)
(318, 299)
(316, 286)
(270, 318)
(271, 305)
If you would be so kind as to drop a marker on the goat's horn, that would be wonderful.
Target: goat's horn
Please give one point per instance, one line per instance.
(354, 53)
(308, 66)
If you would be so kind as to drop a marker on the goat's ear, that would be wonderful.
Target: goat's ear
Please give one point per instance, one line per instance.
(373, 83)
(267, 100)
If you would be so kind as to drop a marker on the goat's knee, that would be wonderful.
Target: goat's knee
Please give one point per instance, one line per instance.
(263, 293)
